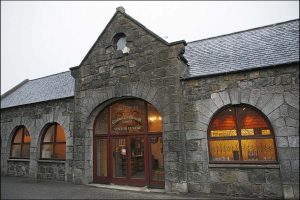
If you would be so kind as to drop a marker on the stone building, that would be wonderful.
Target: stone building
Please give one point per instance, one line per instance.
(214, 116)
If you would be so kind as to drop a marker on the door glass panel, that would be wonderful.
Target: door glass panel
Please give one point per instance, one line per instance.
(119, 157)
(154, 120)
(137, 157)
(157, 160)
(127, 117)
(102, 157)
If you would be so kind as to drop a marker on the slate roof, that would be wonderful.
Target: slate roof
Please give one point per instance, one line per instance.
(265, 46)
(47, 88)
(260, 47)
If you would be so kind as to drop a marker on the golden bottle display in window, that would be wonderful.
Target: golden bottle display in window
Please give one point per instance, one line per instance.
(241, 134)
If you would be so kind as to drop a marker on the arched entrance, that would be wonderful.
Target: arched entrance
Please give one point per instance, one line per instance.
(128, 145)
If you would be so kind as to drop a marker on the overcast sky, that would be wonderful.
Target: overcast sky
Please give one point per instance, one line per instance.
(42, 38)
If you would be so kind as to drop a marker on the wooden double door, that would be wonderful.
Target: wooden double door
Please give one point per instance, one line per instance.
(125, 157)
(131, 160)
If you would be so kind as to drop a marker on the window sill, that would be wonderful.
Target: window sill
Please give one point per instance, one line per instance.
(258, 166)
(19, 159)
(52, 161)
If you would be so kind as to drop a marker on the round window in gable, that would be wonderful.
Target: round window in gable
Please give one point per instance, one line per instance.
(119, 42)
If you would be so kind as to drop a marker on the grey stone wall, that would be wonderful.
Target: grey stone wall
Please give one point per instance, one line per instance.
(150, 71)
(237, 181)
(34, 117)
(18, 168)
(51, 170)
(274, 91)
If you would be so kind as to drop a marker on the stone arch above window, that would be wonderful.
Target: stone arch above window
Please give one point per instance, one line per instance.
(241, 134)
(53, 143)
(20, 146)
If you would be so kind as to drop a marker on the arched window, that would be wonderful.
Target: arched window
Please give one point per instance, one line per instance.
(119, 41)
(53, 145)
(20, 146)
(241, 134)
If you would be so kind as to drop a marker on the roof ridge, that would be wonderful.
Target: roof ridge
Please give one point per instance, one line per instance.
(247, 30)
(49, 75)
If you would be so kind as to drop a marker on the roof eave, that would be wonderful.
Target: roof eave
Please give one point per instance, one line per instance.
(50, 100)
(237, 71)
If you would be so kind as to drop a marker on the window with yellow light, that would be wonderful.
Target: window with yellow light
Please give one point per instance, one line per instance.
(241, 134)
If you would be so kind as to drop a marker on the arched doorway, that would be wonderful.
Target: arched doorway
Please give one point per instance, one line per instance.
(128, 145)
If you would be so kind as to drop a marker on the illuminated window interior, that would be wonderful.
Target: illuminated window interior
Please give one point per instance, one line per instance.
(136, 119)
(53, 144)
(128, 117)
(241, 134)
(154, 120)
(20, 147)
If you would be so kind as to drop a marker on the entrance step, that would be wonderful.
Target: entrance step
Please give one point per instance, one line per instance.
(127, 188)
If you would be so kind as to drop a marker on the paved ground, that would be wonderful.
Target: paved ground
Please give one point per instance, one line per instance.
(26, 188)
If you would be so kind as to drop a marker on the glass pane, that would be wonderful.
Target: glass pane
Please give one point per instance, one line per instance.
(157, 159)
(119, 157)
(252, 123)
(25, 151)
(101, 122)
(26, 136)
(222, 133)
(18, 136)
(127, 117)
(102, 157)
(60, 134)
(47, 151)
(49, 134)
(266, 132)
(121, 43)
(16, 151)
(154, 120)
(258, 149)
(59, 151)
(224, 150)
(137, 157)
(224, 124)
(246, 132)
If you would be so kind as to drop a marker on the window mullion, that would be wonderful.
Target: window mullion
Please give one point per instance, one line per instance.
(145, 118)
(109, 120)
(54, 140)
(22, 141)
(238, 127)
